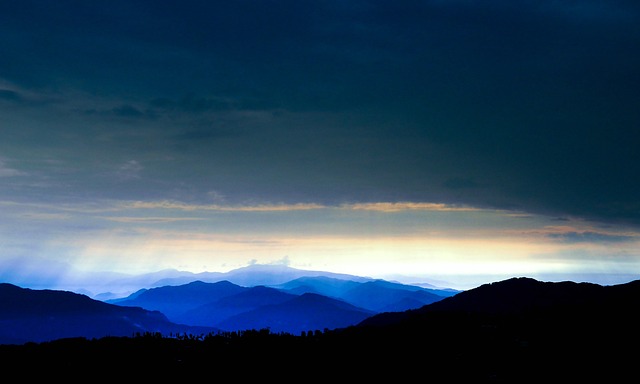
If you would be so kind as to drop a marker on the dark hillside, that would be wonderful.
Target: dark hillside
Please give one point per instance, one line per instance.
(309, 311)
(517, 330)
(210, 314)
(28, 315)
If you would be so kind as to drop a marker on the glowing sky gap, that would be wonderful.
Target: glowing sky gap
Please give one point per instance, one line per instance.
(218, 237)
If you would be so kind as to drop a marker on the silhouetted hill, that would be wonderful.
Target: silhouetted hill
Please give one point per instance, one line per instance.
(522, 297)
(515, 329)
(28, 315)
(308, 311)
(402, 304)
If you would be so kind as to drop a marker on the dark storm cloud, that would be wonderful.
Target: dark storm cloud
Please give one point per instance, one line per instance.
(127, 111)
(460, 183)
(530, 105)
(191, 103)
(8, 95)
(200, 135)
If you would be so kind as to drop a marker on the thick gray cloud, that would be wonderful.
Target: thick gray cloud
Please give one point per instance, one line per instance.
(513, 104)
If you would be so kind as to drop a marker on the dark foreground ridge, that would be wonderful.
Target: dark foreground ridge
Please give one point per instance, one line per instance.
(511, 331)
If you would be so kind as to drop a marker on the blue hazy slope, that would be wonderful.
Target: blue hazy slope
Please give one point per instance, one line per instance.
(216, 304)
(28, 315)
(307, 312)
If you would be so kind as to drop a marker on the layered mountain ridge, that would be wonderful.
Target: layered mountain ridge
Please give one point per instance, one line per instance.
(283, 307)
(310, 301)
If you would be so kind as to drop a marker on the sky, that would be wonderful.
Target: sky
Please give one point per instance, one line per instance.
(455, 141)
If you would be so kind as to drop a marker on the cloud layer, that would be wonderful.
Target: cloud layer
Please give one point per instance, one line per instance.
(526, 108)
(531, 105)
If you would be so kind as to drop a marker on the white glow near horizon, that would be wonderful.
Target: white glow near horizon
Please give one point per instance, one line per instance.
(373, 240)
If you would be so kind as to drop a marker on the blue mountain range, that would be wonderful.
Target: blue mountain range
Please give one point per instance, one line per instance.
(297, 301)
